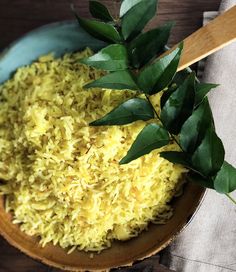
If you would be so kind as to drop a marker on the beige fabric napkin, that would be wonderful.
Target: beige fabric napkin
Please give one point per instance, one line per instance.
(208, 244)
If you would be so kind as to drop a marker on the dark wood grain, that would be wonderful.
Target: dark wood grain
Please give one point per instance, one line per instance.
(20, 16)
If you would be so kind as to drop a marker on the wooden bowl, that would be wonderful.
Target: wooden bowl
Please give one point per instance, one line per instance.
(67, 37)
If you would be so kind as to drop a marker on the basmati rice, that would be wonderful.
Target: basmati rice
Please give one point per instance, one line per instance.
(61, 177)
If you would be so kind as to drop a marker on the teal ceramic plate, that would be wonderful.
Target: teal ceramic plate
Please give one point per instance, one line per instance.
(58, 38)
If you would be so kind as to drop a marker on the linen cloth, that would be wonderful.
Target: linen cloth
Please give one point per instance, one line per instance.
(208, 244)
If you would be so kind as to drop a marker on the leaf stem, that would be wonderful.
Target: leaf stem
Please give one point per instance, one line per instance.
(148, 99)
(159, 118)
(231, 198)
(173, 137)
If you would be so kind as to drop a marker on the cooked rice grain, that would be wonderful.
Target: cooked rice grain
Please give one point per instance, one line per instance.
(62, 179)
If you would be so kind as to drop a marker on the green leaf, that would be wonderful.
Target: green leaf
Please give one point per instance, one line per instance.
(202, 90)
(166, 94)
(176, 157)
(209, 156)
(225, 180)
(205, 182)
(151, 137)
(127, 5)
(180, 77)
(157, 76)
(103, 31)
(177, 80)
(111, 58)
(120, 80)
(137, 17)
(179, 106)
(99, 11)
(195, 127)
(147, 45)
(132, 110)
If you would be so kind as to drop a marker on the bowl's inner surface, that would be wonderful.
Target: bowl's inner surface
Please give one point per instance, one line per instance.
(59, 39)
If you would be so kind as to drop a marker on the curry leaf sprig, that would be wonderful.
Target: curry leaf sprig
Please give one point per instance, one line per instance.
(132, 61)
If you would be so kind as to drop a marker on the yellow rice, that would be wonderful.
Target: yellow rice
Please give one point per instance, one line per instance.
(61, 178)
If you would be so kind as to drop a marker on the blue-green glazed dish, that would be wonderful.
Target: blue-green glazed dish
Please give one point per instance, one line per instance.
(58, 38)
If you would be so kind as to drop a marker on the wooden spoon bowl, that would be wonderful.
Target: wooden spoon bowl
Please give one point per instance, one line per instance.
(61, 38)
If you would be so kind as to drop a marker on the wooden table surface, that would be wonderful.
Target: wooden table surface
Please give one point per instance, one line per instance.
(20, 16)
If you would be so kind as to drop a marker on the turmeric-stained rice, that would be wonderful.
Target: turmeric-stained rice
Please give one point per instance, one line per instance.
(61, 177)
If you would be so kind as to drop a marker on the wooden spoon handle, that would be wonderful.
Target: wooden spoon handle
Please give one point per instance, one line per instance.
(218, 33)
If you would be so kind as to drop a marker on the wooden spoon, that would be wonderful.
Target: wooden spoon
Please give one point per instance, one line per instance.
(218, 33)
